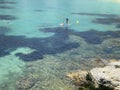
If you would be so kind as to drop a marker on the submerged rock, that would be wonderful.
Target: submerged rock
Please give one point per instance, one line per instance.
(99, 77)
(79, 77)
(26, 83)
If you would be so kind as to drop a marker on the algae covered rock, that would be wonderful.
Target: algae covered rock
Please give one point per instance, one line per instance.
(79, 78)
(26, 83)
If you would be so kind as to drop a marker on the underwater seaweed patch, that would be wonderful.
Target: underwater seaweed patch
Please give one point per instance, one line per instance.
(7, 17)
(7, 2)
(6, 7)
(51, 45)
(107, 21)
(95, 14)
(57, 43)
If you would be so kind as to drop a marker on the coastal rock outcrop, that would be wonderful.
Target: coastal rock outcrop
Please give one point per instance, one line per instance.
(100, 77)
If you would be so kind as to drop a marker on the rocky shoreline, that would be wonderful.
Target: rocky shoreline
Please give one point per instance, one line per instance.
(98, 78)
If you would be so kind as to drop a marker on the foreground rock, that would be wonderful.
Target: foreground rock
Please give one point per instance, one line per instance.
(99, 77)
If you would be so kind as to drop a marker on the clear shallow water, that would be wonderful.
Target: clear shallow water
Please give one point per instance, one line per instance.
(33, 15)
(36, 49)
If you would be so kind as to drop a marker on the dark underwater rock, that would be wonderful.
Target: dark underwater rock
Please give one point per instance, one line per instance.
(31, 56)
(96, 14)
(118, 26)
(39, 10)
(55, 44)
(92, 37)
(7, 2)
(107, 21)
(26, 83)
(3, 52)
(7, 17)
(6, 7)
(42, 46)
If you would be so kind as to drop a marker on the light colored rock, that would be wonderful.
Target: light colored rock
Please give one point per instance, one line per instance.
(108, 76)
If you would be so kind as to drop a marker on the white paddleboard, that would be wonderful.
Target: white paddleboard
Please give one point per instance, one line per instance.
(62, 24)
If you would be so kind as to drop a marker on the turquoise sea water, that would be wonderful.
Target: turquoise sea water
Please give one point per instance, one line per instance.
(36, 52)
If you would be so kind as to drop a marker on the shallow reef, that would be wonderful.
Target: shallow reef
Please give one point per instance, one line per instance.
(57, 43)
(51, 45)
(49, 72)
